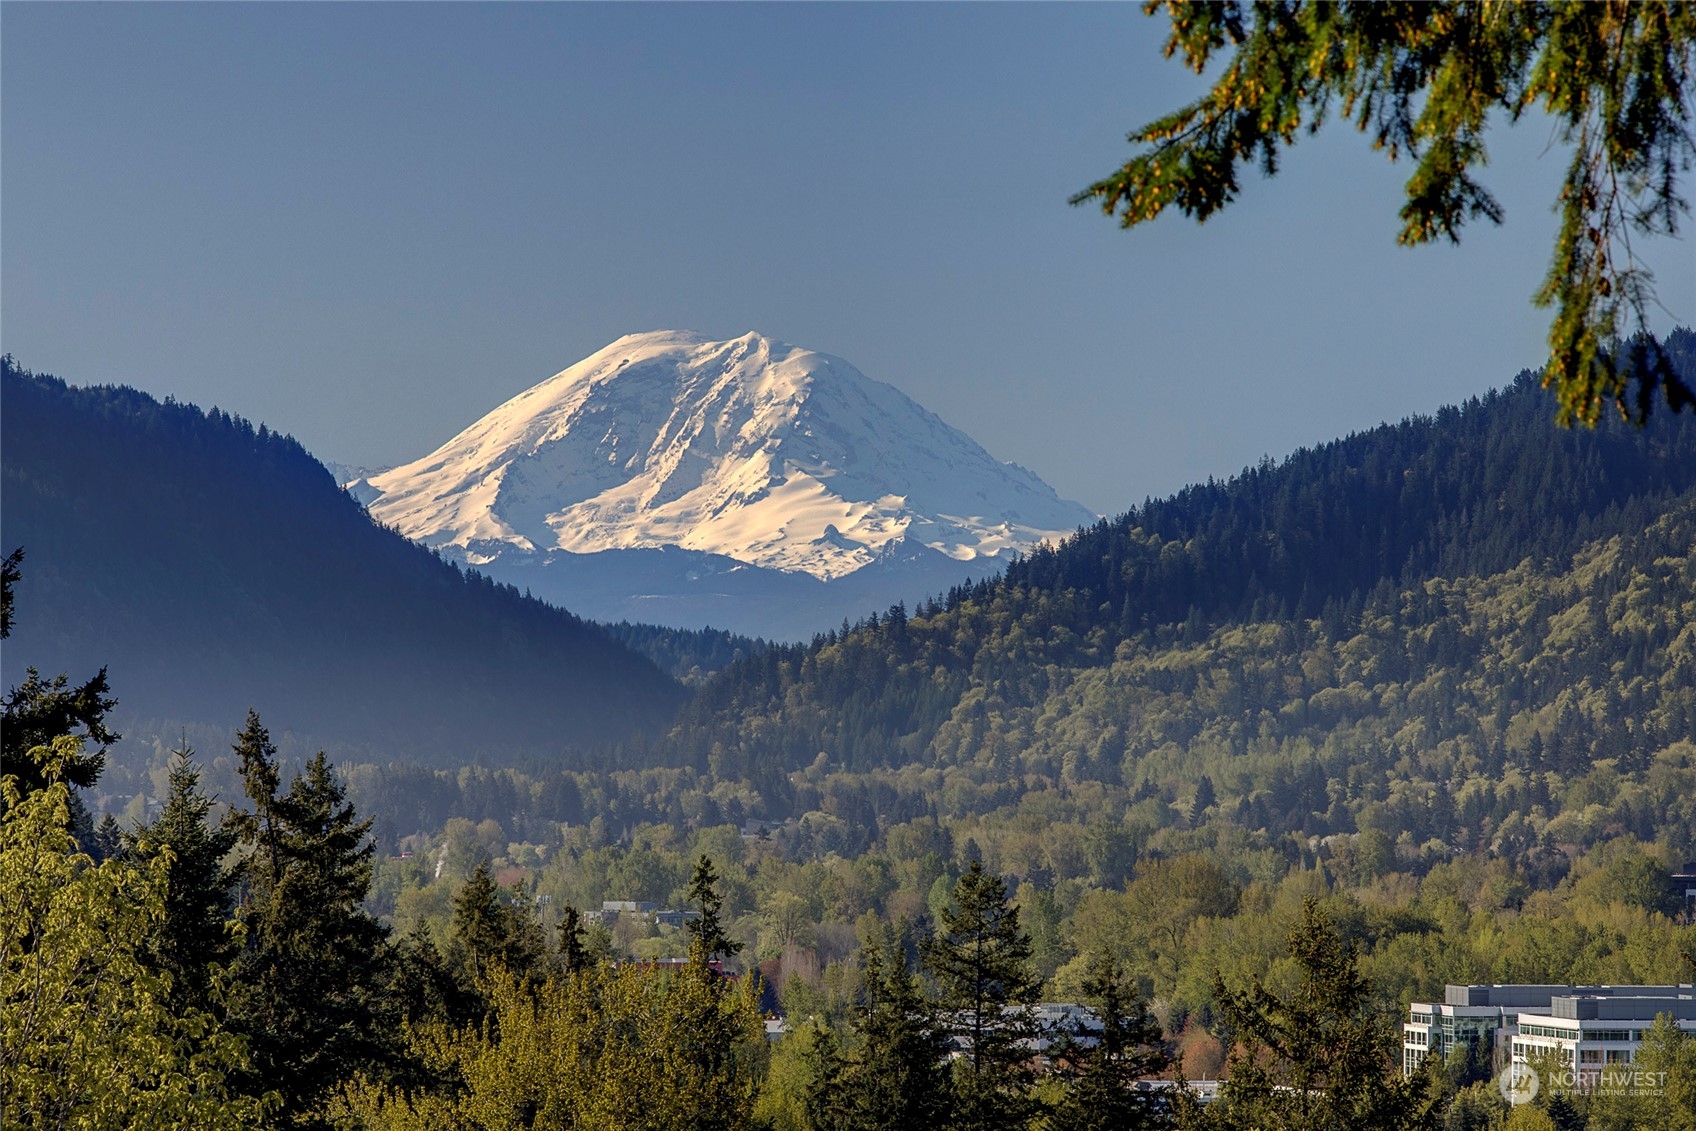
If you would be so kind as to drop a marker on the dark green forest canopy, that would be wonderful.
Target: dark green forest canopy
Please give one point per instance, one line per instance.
(1325, 536)
(212, 565)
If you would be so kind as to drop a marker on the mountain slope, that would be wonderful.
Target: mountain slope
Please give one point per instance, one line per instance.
(728, 455)
(215, 567)
(1327, 535)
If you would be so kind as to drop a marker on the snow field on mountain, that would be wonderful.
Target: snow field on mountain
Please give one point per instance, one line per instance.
(751, 448)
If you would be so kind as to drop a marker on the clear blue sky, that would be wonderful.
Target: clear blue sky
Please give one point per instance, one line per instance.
(368, 224)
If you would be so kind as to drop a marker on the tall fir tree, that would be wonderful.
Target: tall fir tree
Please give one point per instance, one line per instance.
(310, 980)
(899, 1076)
(573, 944)
(715, 1010)
(488, 928)
(38, 711)
(108, 839)
(1318, 1058)
(707, 931)
(987, 989)
(423, 984)
(1101, 1067)
(194, 943)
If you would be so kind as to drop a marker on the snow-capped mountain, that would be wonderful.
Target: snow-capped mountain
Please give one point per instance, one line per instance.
(749, 451)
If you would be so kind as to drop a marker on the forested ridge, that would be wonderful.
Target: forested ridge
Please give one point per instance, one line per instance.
(213, 565)
(1473, 491)
(688, 654)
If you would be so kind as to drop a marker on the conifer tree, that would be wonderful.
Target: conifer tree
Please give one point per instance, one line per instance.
(899, 1076)
(10, 575)
(1101, 1067)
(715, 1012)
(422, 984)
(707, 931)
(826, 1100)
(38, 711)
(1425, 81)
(309, 981)
(108, 838)
(489, 929)
(478, 930)
(194, 941)
(573, 949)
(1205, 798)
(1319, 1058)
(987, 987)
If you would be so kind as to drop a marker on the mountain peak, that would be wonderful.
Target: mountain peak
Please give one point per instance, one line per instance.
(750, 448)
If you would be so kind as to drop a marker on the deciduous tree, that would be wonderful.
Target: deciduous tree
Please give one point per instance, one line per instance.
(89, 1037)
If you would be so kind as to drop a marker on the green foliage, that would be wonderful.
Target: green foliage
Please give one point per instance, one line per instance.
(574, 951)
(1100, 1067)
(90, 1035)
(195, 941)
(986, 986)
(1422, 81)
(628, 1047)
(707, 931)
(1319, 1058)
(38, 711)
(897, 1076)
(1660, 1088)
(309, 981)
(686, 654)
(243, 566)
(488, 929)
(990, 677)
(9, 576)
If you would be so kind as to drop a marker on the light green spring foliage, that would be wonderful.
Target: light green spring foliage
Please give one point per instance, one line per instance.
(782, 1102)
(1422, 79)
(1316, 1057)
(623, 1048)
(86, 1039)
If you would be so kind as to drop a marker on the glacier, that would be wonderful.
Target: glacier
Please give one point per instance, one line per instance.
(748, 455)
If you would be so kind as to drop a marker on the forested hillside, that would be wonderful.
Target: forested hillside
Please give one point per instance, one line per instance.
(214, 566)
(1526, 716)
(1319, 545)
(688, 654)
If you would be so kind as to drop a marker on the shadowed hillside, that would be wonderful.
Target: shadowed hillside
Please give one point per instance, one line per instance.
(215, 566)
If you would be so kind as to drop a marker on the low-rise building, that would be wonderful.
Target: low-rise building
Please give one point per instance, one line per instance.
(1586, 1033)
(1684, 889)
(627, 907)
(1487, 1020)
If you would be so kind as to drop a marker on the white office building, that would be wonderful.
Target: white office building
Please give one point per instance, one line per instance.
(1586, 1033)
(1492, 1018)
